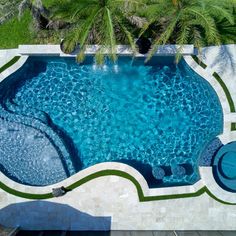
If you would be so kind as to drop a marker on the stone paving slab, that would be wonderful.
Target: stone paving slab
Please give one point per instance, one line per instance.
(102, 198)
(167, 233)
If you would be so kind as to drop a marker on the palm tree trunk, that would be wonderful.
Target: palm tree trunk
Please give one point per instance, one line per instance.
(176, 3)
(39, 14)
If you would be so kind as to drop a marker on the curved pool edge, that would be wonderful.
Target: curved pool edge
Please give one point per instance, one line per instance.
(211, 184)
(204, 185)
(16, 65)
(228, 134)
(101, 167)
(205, 74)
(229, 116)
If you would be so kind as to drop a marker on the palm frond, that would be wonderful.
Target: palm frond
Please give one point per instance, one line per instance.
(109, 34)
(207, 23)
(129, 37)
(182, 39)
(162, 40)
(100, 56)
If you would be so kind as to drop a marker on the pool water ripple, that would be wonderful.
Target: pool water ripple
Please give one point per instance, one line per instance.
(161, 115)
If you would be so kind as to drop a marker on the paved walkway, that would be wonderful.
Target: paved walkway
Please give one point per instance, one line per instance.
(112, 203)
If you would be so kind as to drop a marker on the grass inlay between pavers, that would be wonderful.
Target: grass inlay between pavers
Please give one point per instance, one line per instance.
(199, 62)
(233, 126)
(142, 197)
(10, 63)
(226, 91)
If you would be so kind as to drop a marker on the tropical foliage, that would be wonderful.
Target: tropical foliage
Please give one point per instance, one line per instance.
(101, 22)
(14, 32)
(195, 22)
(7, 9)
(111, 22)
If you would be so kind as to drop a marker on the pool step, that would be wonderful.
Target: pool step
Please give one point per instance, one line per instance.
(48, 131)
(44, 118)
(30, 112)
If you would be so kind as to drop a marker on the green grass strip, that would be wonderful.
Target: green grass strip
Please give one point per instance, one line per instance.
(217, 199)
(15, 31)
(227, 93)
(233, 126)
(24, 195)
(199, 62)
(10, 63)
(119, 173)
(223, 85)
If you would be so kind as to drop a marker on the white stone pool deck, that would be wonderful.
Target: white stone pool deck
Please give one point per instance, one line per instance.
(112, 202)
(117, 198)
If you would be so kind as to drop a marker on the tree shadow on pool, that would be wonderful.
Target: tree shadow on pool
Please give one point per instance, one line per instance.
(224, 59)
(44, 215)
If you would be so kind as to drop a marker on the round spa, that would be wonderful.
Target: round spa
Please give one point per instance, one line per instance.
(224, 167)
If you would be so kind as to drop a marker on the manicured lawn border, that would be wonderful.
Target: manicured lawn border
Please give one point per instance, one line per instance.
(119, 173)
(227, 93)
(223, 85)
(24, 195)
(233, 126)
(199, 62)
(10, 63)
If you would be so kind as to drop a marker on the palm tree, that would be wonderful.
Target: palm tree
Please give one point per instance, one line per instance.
(38, 11)
(101, 22)
(187, 22)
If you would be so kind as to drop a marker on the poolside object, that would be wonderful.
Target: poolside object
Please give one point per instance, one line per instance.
(74, 50)
(144, 44)
(58, 192)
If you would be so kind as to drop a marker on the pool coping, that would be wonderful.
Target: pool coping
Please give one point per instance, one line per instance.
(206, 184)
(227, 103)
(124, 50)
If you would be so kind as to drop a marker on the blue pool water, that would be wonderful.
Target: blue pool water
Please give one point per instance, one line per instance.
(156, 117)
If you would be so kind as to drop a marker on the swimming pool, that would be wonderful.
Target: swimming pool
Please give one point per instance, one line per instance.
(156, 117)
